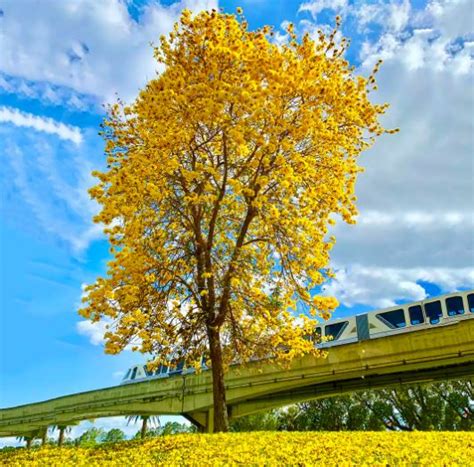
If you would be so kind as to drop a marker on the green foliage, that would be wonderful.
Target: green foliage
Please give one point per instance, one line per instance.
(258, 422)
(446, 406)
(172, 428)
(91, 437)
(9, 448)
(332, 414)
(113, 436)
(169, 428)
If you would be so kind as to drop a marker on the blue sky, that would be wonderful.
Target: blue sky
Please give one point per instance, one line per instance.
(60, 63)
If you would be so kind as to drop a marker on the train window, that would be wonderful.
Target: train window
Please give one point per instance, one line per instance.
(454, 306)
(318, 331)
(164, 369)
(335, 330)
(433, 311)
(134, 373)
(147, 371)
(180, 366)
(127, 374)
(416, 314)
(393, 319)
(470, 302)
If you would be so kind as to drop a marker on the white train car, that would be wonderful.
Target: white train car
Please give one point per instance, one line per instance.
(439, 311)
(139, 373)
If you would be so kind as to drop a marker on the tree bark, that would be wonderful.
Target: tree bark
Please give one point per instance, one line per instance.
(221, 417)
(44, 438)
(144, 427)
(28, 442)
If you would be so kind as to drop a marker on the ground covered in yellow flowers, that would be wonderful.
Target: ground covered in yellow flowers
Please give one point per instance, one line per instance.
(264, 448)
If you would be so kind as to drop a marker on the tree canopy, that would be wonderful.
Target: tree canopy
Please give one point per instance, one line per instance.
(222, 179)
(114, 435)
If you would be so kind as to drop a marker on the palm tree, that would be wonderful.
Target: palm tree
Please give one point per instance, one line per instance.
(145, 419)
(62, 429)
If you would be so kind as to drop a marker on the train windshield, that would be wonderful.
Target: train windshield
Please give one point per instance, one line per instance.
(335, 330)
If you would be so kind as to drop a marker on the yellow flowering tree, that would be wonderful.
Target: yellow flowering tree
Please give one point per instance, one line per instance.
(221, 180)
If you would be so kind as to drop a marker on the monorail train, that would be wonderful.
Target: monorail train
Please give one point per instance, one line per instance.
(141, 372)
(439, 311)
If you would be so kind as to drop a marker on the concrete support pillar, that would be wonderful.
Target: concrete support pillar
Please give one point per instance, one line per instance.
(203, 420)
(198, 419)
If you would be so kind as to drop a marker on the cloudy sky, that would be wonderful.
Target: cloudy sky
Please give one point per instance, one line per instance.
(60, 61)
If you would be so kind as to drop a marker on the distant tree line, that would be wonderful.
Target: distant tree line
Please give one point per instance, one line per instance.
(95, 436)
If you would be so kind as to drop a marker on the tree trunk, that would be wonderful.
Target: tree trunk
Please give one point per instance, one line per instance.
(144, 426)
(221, 417)
(44, 438)
(28, 442)
(61, 436)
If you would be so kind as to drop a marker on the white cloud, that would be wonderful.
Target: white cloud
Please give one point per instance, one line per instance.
(49, 94)
(5, 85)
(74, 54)
(433, 220)
(416, 196)
(382, 286)
(399, 14)
(44, 124)
(453, 17)
(47, 180)
(93, 331)
(316, 6)
(96, 48)
(393, 16)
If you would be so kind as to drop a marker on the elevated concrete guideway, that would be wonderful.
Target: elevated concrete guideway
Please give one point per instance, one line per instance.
(438, 353)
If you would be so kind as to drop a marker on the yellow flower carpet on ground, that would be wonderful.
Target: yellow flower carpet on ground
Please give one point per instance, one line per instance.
(264, 448)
